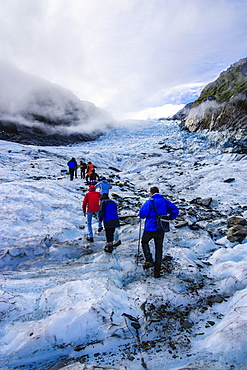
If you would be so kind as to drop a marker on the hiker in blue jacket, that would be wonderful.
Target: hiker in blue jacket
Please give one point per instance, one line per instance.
(104, 186)
(72, 168)
(147, 211)
(109, 215)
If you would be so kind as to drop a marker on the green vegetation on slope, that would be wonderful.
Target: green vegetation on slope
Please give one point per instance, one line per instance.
(229, 86)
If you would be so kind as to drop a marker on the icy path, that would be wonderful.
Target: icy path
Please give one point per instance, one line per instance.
(63, 300)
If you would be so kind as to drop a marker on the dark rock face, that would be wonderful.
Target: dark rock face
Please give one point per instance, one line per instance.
(15, 132)
(218, 117)
(222, 104)
(237, 229)
(237, 233)
(183, 113)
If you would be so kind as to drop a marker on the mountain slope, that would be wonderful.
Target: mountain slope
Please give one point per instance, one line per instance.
(222, 104)
(35, 111)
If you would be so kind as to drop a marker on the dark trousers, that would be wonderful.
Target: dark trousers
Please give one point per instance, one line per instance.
(82, 173)
(109, 233)
(71, 172)
(158, 237)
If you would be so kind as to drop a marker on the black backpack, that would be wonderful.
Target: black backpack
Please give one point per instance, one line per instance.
(162, 221)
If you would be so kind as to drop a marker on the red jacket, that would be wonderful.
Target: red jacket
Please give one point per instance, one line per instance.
(91, 201)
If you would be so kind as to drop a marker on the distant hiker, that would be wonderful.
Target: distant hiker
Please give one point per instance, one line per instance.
(90, 205)
(83, 168)
(147, 211)
(109, 215)
(93, 177)
(89, 171)
(104, 186)
(72, 168)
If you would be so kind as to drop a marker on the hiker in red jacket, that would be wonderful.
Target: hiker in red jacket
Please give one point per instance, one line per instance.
(90, 205)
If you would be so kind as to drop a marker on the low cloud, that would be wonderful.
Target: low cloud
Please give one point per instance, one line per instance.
(198, 113)
(165, 111)
(34, 102)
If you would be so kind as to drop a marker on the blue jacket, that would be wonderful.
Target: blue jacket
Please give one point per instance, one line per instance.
(108, 213)
(164, 207)
(105, 186)
(72, 164)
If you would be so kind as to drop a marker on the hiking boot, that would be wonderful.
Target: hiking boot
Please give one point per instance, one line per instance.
(117, 243)
(147, 265)
(100, 229)
(89, 239)
(156, 274)
(108, 248)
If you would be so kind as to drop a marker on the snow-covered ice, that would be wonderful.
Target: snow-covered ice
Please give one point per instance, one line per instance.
(67, 304)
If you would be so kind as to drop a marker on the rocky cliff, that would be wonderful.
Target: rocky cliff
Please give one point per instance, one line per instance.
(222, 104)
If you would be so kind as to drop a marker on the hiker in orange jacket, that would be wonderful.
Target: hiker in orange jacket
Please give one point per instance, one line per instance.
(90, 166)
(91, 205)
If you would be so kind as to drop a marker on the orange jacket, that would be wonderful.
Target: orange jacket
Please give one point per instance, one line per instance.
(89, 169)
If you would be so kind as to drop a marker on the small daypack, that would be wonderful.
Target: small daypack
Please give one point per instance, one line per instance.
(163, 222)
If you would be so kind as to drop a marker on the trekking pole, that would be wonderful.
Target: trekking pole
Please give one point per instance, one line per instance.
(139, 239)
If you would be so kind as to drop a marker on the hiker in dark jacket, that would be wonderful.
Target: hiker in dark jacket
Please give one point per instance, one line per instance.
(83, 167)
(147, 211)
(109, 215)
(93, 177)
(72, 168)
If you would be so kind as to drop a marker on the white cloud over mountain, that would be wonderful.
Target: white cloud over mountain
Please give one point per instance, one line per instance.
(35, 102)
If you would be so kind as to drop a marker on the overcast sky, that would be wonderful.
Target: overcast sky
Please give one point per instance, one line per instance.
(125, 55)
